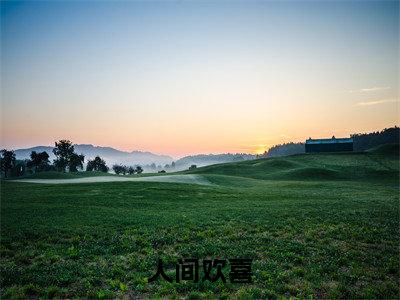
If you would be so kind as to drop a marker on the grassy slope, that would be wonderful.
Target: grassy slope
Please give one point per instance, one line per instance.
(67, 175)
(378, 164)
(327, 236)
(61, 175)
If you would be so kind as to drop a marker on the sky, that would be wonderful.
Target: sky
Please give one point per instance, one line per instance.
(187, 77)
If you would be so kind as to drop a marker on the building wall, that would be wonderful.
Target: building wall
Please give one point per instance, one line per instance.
(336, 147)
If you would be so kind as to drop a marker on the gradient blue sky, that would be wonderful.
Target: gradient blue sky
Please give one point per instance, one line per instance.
(194, 77)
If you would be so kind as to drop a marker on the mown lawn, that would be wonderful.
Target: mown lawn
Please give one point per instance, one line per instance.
(307, 238)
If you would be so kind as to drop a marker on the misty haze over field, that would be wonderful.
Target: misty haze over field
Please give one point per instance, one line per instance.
(149, 161)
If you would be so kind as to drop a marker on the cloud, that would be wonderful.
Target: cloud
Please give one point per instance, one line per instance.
(376, 102)
(371, 89)
(376, 88)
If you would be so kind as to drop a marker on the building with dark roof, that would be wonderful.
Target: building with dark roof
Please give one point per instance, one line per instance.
(329, 145)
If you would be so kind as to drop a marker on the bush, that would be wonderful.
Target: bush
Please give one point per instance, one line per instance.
(120, 169)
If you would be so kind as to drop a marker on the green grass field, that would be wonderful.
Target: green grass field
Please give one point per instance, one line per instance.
(61, 175)
(316, 226)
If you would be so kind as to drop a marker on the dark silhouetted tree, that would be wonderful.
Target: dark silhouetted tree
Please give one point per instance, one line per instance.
(365, 141)
(7, 161)
(139, 169)
(97, 164)
(119, 169)
(76, 162)
(39, 161)
(63, 151)
(131, 170)
(19, 169)
(284, 149)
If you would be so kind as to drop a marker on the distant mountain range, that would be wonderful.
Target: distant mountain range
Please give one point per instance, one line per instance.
(146, 159)
(110, 155)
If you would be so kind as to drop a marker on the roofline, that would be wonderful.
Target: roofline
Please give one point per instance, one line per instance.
(329, 141)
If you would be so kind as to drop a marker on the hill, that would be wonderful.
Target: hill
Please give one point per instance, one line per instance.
(210, 159)
(362, 142)
(387, 149)
(312, 223)
(365, 141)
(379, 163)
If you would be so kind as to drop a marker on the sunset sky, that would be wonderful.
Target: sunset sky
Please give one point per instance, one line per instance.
(182, 77)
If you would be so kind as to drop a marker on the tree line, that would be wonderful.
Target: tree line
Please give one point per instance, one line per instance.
(66, 160)
(121, 169)
(365, 141)
(361, 142)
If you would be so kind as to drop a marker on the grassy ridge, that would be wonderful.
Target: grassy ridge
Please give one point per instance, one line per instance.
(62, 175)
(334, 237)
(378, 164)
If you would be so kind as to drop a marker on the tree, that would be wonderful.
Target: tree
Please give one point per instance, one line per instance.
(19, 169)
(365, 141)
(66, 157)
(284, 149)
(63, 151)
(97, 164)
(124, 170)
(39, 161)
(139, 169)
(131, 170)
(119, 169)
(75, 162)
(192, 167)
(7, 161)
(116, 169)
(60, 164)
